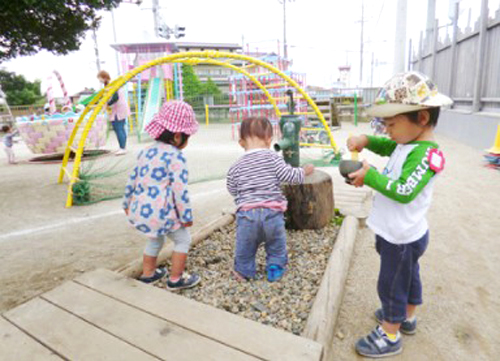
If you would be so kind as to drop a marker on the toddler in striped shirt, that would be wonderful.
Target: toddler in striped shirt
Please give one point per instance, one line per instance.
(255, 183)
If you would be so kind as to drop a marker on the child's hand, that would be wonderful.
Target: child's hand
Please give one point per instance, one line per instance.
(187, 225)
(308, 169)
(126, 211)
(358, 178)
(357, 143)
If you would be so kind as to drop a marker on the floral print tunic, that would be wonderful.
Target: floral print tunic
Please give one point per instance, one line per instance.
(156, 194)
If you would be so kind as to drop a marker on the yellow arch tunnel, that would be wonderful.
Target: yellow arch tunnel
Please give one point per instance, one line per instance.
(192, 57)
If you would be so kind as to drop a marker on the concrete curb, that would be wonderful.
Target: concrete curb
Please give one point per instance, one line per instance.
(322, 319)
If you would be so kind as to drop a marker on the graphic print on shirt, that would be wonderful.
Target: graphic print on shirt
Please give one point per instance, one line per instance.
(404, 191)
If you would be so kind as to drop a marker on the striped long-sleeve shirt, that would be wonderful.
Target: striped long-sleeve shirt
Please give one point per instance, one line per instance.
(257, 177)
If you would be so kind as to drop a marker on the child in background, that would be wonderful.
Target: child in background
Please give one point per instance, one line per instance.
(8, 143)
(409, 104)
(156, 196)
(255, 183)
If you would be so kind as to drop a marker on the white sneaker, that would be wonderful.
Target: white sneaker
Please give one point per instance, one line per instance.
(121, 152)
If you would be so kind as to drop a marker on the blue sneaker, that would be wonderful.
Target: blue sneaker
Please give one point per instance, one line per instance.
(186, 281)
(158, 275)
(378, 345)
(407, 327)
(275, 272)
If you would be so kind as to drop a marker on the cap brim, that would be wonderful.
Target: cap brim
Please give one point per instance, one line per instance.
(392, 109)
(439, 100)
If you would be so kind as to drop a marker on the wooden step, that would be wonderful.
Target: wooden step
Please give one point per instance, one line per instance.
(102, 315)
(247, 336)
(160, 338)
(70, 336)
(17, 345)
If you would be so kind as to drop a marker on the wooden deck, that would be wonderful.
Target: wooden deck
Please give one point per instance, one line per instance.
(102, 315)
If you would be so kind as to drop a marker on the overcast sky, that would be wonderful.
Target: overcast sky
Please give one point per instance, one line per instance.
(322, 35)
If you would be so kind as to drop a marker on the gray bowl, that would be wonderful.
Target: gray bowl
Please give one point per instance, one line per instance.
(347, 167)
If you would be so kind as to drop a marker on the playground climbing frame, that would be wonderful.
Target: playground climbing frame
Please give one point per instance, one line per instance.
(212, 57)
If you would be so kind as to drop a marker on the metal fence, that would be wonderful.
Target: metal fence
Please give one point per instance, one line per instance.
(465, 65)
(366, 95)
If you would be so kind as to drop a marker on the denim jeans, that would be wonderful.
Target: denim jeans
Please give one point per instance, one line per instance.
(256, 226)
(121, 134)
(399, 278)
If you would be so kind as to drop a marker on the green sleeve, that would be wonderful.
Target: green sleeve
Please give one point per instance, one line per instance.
(415, 175)
(381, 145)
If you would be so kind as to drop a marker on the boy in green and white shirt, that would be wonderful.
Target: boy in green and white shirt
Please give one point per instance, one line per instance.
(409, 105)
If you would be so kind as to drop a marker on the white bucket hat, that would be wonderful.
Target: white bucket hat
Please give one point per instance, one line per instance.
(407, 92)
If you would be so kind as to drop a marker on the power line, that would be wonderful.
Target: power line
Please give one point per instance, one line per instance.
(380, 13)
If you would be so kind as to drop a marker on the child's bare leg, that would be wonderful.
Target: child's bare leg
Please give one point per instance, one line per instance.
(148, 265)
(178, 265)
(410, 311)
(391, 328)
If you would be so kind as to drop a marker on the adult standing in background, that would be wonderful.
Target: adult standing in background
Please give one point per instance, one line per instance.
(119, 112)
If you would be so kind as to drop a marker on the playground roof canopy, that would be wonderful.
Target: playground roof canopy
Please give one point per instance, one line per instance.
(172, 47)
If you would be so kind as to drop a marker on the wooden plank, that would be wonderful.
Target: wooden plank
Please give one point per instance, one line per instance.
(158, 337)
(16, 345)
(70, 336)
(321, 321)
(245, 335)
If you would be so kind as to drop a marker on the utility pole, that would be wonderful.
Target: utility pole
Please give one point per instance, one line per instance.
(410, 55)
(431, 16)
(285, 47)
(400, 40)
(371, 75)
(114, 39)
(156, 16)
(96, 49)
(362, 42)
(136, 2)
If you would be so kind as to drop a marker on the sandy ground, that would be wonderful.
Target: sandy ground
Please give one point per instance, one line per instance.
(461, 314)
(42, 243)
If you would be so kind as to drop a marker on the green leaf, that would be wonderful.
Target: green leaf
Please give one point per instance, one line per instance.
(58, 26)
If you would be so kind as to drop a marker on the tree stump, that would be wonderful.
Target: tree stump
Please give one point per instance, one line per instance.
(310, 205)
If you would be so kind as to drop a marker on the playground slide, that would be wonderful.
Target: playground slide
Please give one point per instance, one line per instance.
(153, 99)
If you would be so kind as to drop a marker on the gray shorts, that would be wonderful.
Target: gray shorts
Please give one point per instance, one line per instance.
(180, 237)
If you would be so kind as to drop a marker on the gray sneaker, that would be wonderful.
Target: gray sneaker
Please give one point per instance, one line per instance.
(377, 345)
(407, 327)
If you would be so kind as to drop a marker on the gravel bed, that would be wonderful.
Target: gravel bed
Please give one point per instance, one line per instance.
(284, 304)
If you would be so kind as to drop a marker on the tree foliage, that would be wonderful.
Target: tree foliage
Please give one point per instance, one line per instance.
(193, 87)
(18, 90)
(28, 26)
(210, 88)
